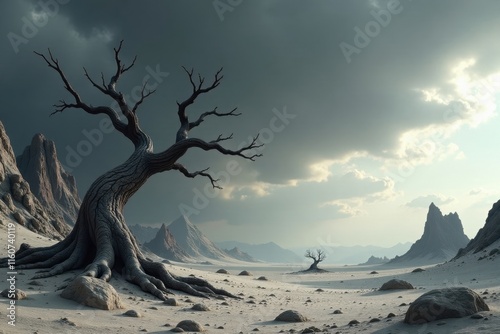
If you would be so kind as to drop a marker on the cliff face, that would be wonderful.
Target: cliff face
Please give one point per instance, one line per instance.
(164, 245)
(487, 235)
(193, 241)
(48, 180)
(17, 202)
(443, 236)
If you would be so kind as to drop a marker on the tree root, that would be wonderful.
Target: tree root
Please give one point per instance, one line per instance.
(152, 277)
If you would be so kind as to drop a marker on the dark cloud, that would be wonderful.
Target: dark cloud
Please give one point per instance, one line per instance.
(276, 55)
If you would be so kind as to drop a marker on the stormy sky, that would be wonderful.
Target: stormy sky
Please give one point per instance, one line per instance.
(369, 110)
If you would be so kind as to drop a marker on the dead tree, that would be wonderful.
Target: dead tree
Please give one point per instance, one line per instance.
(317, 257)
(100, 240)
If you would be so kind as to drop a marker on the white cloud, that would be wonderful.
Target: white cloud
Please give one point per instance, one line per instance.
(426, 200)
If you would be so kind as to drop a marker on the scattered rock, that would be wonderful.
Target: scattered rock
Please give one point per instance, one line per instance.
(291, 316)
(133, 314)
(222, 271)
(374, 272)
(418, 270)
(353, 322)
(477, 316)
(374, 320)
(171, 302)
(391, 315)
(66, 321)
(244, 273)
(200, 307)
(445, 303)
(262, 278)
(189, 326)
(17, 295)
(337, 312)
(396, 284)
(93, 292)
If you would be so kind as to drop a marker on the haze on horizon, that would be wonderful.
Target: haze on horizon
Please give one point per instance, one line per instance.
(369, 110)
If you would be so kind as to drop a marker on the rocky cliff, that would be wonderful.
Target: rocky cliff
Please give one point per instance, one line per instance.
(193, 241)
(443, 236)
(487, 235)
(49, 182)
(164, 245)
(18, 203)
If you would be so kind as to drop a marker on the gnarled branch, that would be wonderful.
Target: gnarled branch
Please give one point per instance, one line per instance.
(183, 170)
(198, 89)
(131, 130)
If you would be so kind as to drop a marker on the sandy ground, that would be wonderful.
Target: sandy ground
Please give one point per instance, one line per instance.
(351, 289)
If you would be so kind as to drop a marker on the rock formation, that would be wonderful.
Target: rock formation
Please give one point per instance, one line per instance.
(17, 202)
(236, 253)
(443, 236)
(49, 182)
(164, 245)
(486, 235)
(193, 242)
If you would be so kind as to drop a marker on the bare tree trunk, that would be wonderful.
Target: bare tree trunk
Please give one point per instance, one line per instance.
(100, 240)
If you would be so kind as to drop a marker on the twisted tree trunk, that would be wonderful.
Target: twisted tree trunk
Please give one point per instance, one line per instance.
(100, 240)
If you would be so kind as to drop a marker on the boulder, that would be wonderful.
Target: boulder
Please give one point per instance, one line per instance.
(190, 326)
(244, 273)
(291, 316)
(93, 292)
(18, 294)
(456, 302)
(396, 284)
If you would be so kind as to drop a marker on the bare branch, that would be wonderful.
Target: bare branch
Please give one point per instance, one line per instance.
(198, 89)
(130, 130)
(120, 69)
(101, 88)
(220, 138)
(183, 170)
(212, 112)
(143, 97)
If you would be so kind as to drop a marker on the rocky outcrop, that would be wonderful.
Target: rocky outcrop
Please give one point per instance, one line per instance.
(445, 303)
(193, 242)
(376, 260)
(487, 235)
(443, 236)
(164, 245)
(49, 182)
(236, 253)
(17, 202)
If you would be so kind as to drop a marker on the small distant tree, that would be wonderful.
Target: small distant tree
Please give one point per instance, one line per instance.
(317, 256)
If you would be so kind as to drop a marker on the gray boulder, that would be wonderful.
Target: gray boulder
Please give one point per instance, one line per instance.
(93, 292)
(291, 316)
(445, 303)
(190, 326)
(396, 284)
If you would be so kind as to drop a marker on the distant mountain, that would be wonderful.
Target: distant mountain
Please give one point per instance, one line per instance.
(239, 255)
(269, 252)
(18, 204)
(143, 234)
(164, 245)
(376, 260)
(49, 182)
(443, 236)
(193, 242)
(487, 235)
